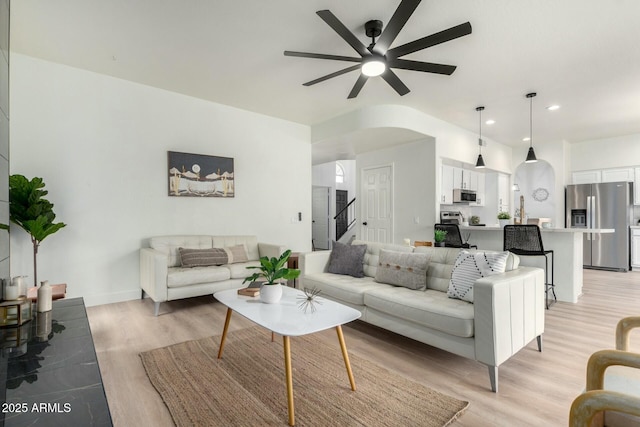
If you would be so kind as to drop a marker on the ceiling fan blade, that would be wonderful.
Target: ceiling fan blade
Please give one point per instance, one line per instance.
(358, 86)
(432, 40)
(397, 21)
(321, 56)
(427, 67)
(336, 74)
(395, 82)
(343, 31)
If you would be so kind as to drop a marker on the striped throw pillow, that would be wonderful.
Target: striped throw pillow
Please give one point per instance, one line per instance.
(471, 266)
(202, 257)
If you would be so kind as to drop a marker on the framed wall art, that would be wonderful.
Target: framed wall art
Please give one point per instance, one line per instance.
(199, 175)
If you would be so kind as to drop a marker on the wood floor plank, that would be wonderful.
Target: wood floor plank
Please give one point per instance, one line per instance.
(535, 388)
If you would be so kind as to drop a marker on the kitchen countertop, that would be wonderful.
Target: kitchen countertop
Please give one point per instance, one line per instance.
(544, 230)
(635, 226)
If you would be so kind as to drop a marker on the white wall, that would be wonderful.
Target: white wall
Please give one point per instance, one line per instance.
(414, 192)
(101, 143)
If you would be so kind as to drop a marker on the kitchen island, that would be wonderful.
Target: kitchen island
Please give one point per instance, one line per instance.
(566, 244)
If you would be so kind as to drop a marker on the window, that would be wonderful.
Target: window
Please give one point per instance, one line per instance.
(339, 173)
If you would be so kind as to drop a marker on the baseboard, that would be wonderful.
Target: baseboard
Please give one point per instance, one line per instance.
(110, 298)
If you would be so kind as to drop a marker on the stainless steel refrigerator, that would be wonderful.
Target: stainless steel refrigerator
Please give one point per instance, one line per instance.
(604, 205)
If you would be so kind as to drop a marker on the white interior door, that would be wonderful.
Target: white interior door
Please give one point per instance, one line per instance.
(377, 208)
(320, 217)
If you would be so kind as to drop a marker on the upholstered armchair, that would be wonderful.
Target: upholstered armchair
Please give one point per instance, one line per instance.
(619, 395)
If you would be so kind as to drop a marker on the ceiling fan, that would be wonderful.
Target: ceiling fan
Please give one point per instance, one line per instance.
(377, 59)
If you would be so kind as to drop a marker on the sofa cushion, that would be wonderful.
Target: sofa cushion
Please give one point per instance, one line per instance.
(440, 266)
(347, 259)
(240, 270)
(372, 255)
(402, 269)
(179, 276)
(169, 245)
(341, 287)
(471, 266)
(432, 309)
(202, 257)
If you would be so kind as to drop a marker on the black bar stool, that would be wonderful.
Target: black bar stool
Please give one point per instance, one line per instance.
(453, 239)
(526, 240)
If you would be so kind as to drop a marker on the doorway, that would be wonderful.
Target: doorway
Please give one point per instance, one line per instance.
(377, 205)
(320, 203)
(342, 220)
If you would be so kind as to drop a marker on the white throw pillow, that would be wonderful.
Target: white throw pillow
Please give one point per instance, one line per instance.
(471, 266)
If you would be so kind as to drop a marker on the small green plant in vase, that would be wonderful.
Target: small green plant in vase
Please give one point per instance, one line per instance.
(504, 218)
(439, 236)
(272, 271)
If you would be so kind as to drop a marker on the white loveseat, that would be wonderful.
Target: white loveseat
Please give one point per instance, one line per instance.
(506, 315)
(163, 278)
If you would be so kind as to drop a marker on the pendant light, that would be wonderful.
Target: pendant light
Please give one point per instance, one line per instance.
(480, 161)
(531, 155)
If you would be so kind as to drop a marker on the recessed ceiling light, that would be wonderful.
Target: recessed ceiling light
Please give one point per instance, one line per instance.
(489, 122)
(526, 139)
(553, 107)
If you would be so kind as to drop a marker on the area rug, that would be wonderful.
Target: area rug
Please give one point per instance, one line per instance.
(247, 386)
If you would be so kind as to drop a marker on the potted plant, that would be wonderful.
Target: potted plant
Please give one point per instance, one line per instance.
(475, 220)
(272, 271)
(439, 236)
(31, 211)
(504, 218)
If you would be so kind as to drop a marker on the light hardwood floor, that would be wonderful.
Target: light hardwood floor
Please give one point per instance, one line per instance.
(536, 389)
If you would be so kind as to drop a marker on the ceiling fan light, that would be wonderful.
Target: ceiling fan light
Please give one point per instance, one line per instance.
(373, 68)
(531, 156)
(480, 162)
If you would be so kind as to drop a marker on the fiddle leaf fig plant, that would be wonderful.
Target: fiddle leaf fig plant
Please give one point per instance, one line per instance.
(272, 270)
(32, 212)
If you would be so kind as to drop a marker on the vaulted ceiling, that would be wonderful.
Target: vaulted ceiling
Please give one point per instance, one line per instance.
(583, 55)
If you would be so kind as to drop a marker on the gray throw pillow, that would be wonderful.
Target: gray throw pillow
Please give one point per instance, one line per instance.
(403, 269)
(471, 266)
(202, 257)
(347, 259)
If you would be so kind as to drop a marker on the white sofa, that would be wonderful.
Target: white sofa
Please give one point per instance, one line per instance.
(163, 279)
(506, 315)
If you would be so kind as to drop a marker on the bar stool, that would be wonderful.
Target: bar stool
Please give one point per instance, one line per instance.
(526, 240)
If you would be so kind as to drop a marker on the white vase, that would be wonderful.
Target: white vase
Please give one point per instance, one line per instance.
(270, 294)
(504, 222)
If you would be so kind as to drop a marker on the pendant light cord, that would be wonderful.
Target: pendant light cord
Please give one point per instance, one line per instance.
(531, 96)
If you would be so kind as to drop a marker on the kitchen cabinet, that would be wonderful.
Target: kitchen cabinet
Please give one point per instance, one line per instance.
(635, 248)
(504, 192)
(446, 185)
(586, 177)
(616, 175)
(465, 179)
(478, 185)
(636, 187)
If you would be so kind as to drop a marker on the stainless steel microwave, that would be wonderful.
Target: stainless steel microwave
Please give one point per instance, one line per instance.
(463, 196)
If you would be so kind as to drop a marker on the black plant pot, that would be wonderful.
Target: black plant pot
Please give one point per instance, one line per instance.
(439, 244)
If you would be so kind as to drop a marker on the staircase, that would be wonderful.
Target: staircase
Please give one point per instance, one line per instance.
(345, 219)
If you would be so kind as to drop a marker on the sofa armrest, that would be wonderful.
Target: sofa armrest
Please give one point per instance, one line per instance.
(153, 274)
(313, 262)
(270, 250)
(508, 312)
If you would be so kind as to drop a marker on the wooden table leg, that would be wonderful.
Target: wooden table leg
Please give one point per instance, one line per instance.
(345, 355)
(287, 365)
(224, 332)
